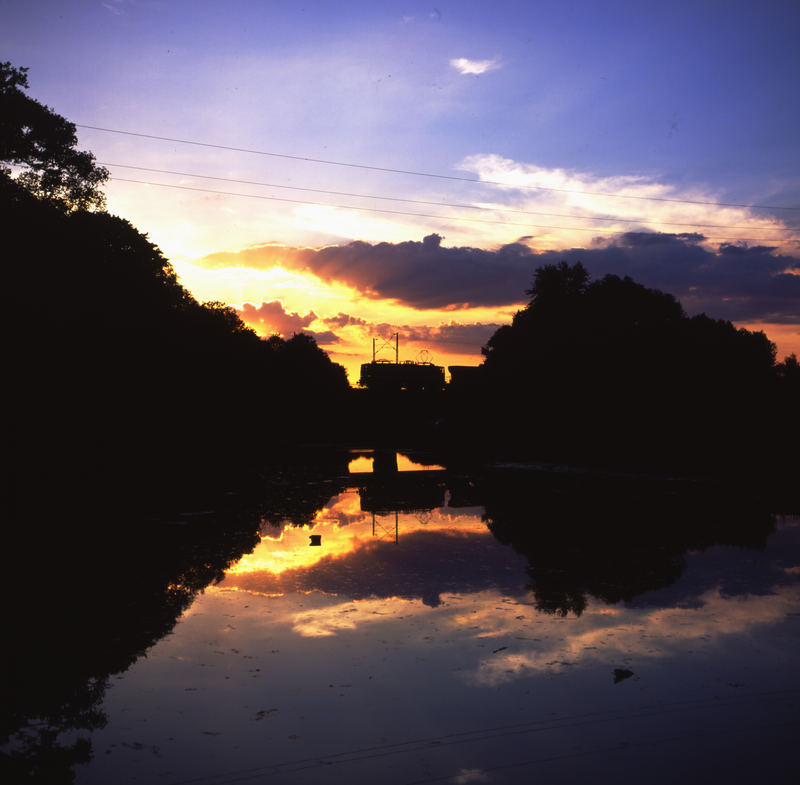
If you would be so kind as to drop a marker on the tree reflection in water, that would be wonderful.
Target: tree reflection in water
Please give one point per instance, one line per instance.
(610, 537)
(88, 592)
(91, 596)
(90, 603)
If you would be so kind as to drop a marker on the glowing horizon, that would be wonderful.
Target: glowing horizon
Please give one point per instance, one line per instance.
(299, 300)
(378, 126)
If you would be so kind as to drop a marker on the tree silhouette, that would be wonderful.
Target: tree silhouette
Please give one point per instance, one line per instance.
(611, 369)
(789, 371)
(42, 143)
(120, 375)
(554, 284)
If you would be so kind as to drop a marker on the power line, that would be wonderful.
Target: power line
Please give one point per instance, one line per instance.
(437, 204)
(385, 210)
(427, 174)
(352, 207)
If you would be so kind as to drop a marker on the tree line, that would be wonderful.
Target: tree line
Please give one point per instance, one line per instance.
(118, 370)
(115, 368)
(610, 371)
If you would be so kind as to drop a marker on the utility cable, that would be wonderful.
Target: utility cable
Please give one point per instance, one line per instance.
(392, 212)
(308, 159)
(432, 203)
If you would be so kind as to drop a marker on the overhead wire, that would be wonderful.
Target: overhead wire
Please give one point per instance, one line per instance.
(392, 212)
(356, 207)
(415, 173)
(381, 197)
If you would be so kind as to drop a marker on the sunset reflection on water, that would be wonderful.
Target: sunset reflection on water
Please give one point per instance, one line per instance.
(409, 646)
(345, 530)
(357, 554)
(365, 463)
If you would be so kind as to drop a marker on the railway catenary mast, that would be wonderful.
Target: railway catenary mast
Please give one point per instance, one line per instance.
(383, 375)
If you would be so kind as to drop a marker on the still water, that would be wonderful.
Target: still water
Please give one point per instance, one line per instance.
(407, 633)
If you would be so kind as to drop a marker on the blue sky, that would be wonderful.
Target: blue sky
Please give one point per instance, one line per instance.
(688, 91)
(686, 100)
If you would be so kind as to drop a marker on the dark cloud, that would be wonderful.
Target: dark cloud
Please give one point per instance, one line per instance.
(424, 274)
(737, 282)
(649, 239)
(272, 317)
(740, 283)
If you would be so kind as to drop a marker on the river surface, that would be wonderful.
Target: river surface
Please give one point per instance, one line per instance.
(429, 641)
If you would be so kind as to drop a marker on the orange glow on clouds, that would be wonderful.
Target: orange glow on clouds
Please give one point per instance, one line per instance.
(345, 319)
(303, 293)
(260, 273)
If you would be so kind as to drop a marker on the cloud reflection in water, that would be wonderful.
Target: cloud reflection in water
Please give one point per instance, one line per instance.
(446, 562)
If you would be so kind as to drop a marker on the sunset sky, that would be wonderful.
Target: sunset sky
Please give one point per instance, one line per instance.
(659, 141)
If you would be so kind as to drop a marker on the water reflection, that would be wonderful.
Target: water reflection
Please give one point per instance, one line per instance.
(386, 462)
(424, 590)
(313, 686)
(613, 538)
(443, 550)
(85, 604)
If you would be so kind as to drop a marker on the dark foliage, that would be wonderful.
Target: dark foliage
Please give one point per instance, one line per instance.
(89, 590)
(126, 394)
(118, 375)
(118, 372)
(613, 537)
(41, 144)
(613, 371)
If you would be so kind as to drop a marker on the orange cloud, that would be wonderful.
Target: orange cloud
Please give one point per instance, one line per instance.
(271, 317)
(353, 292)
